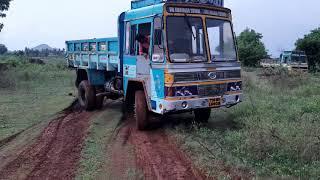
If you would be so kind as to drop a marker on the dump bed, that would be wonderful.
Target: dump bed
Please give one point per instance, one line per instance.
(98, 54)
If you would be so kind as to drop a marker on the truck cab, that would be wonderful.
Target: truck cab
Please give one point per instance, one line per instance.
(294, 60)
(169, 57)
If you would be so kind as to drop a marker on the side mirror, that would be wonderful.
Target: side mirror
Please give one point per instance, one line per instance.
(158, 36)
(158, 50)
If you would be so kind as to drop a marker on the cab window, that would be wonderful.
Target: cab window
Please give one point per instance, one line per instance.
(143, 39)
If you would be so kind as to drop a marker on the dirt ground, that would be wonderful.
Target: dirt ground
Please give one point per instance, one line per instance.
(155, 155)
(55, 153)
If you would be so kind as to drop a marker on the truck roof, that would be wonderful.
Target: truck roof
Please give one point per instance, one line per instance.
(136, 4)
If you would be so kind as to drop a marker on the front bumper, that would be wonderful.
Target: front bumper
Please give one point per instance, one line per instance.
(170, 106)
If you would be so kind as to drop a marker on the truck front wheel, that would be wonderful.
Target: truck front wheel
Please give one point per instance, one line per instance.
(202, 115)
(141, 110)
(87, 96)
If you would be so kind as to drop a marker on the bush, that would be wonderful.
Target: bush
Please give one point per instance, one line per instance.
(277, 71)
(5, 80)
(19, 70)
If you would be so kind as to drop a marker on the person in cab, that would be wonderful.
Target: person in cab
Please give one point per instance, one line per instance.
(144, 44)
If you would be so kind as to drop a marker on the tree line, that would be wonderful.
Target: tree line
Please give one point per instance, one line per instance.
(43, 53)
(251, 48)
(32, 52)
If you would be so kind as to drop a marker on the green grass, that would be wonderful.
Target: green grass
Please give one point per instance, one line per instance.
(274, 133)
(30, 93)
(101, 132)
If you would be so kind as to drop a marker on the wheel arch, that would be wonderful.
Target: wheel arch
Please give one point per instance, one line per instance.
(133, 86)
(81, 75)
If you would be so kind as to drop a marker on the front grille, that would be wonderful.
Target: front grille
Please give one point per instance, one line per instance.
(204, 76)
(233, 74)
(212, 90)
(184, 77)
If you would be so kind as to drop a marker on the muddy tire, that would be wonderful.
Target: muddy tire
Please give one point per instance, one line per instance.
(141, 110)
(202, 115)
(87, 96)
(99, 102)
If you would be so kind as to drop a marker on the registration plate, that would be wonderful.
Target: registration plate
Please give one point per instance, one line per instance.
(215, 102)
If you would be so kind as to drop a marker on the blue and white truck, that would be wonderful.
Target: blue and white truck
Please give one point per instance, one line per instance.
(170, 56)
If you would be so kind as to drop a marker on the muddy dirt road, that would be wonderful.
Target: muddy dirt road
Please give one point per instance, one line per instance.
(156, 155)
(56, 152)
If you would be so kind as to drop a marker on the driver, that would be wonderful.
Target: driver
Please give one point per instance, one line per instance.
(144, 44)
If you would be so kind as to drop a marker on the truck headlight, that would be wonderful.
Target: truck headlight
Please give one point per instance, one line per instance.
(183, 91)
(235, 86)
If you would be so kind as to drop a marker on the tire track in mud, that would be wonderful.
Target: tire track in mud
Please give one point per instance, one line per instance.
(160, 158)
(155, 154)
(56, 152)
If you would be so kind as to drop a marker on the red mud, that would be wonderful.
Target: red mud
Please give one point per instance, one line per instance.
(160, 158)
(122, 158)
(157, 156)
(56, 152)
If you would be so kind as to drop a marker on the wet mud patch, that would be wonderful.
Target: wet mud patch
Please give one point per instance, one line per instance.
(56, 152)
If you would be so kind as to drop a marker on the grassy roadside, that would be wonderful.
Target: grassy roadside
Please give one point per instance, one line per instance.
(274, 133)
(30, 93)
(100, 134)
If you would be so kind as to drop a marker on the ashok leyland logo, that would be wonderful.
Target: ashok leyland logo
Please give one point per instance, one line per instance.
(212, 75)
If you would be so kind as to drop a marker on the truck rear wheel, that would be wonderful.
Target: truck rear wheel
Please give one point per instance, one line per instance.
(202, 115)
(141, 110)
(87, 96)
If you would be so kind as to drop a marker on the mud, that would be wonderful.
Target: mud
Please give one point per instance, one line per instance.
(122, 156)
(156, 155)
(131, 154)
(160, 158)
(56, 152)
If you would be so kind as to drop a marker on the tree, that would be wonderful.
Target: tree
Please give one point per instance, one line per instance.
(4, 6)
(3, 49)
(251, 48)
(19, 53)
(311, 45)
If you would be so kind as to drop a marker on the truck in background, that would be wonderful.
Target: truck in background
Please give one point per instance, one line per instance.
(169, 57)
(292, 60)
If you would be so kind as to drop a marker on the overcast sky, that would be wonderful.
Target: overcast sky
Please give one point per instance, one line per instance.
(33, 22)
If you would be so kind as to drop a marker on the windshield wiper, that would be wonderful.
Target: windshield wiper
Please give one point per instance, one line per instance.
(189, 25)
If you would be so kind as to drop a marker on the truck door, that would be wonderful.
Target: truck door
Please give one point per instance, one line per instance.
(143, 39)
(136, 58)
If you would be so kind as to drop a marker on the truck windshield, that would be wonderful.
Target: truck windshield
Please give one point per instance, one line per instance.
(220, 35)
(297, 58)
(186, 42)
